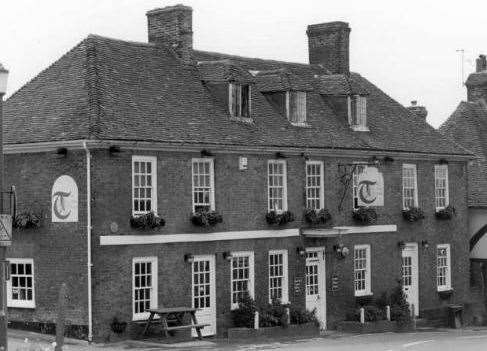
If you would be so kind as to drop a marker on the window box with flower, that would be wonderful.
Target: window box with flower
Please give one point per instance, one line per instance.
(147, 221)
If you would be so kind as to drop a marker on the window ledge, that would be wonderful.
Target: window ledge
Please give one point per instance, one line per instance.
(358, 128)
(21, 305)
(364, 294)
(248, 120)
(300, 124)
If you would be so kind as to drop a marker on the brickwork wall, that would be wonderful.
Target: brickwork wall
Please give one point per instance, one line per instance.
(241, 197)
(58, 249)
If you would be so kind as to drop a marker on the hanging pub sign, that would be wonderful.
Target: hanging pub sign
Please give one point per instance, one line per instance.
(5, 230)
(64, 200)
(370, 187)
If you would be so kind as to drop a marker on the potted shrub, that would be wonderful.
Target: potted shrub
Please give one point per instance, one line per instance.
(282, 218)
(314, 217)
(206, 218)
(446, 213)
(413, 214)
(365, 215)
(27, 220)
(118, 326)
(146, 221)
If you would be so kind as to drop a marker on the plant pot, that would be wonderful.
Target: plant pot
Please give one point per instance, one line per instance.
(118, 327)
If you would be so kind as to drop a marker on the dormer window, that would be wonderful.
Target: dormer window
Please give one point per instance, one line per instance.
(296, 107)
(239, 100)
(357, 112)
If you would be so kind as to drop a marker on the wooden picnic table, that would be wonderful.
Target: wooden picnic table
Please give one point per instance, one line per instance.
(176, 314)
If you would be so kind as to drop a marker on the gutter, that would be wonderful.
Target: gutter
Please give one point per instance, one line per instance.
(236, 149)
(89, 264)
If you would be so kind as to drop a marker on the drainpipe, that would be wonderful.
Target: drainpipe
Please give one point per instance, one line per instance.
(88, 239)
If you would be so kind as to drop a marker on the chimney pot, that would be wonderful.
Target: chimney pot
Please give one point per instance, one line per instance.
(328, 45)
(172, 26)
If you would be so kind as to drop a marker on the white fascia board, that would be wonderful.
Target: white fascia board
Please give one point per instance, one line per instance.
(106, 240)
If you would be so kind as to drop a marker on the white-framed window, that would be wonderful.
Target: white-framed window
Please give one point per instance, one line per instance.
(203, 184)
(296, 107)
(277, 185)
(357, 112)
(239, 100)
(443, 267)
(278, 276)
(361, 270)
(144, 184)
(144, 286)
(409, 186)
(358, 169)
(241, 276)
(314, 185)
(441, 187)
(20, 287)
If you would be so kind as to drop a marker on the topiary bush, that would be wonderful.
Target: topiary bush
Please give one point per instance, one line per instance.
(314, 217)
(413, 214)
(146, 221)
(273, 217)
(299, 315)
(206, 218)
(365, 216)
(243, 316)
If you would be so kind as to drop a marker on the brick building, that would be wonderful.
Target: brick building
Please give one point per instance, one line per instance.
(117, 129)
(467, 126)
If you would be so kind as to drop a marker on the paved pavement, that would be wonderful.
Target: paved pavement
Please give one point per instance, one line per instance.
(440, 340)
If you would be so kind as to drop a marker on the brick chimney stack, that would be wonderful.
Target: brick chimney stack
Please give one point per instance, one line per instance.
(481, 63)
(419, 111)
(173, 26)
(328, 45)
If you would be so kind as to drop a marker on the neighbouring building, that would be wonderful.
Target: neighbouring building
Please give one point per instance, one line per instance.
(468, 127)
(114, 130)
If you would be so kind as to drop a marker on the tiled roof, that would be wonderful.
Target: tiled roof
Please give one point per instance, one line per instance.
(477, 78)
(467, 126)
(339, 84)
(117, 90)
(223, 71)
(281, 80)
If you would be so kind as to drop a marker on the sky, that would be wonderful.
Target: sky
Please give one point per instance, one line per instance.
(407, 48)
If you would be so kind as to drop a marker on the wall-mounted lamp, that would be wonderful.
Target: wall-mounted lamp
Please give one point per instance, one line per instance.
(374, 160)
(62, 151)
(425, 244)
(227, 255)
(305, 156)
(341, 251)
(280, 155)
(401, 244)
(301, 251)
(114, 149)
(388, 160)
(188, 258)
(206, 153)
(443, 161)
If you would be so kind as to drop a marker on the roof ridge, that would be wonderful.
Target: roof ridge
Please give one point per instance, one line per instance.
(259, 59)
(131, 42)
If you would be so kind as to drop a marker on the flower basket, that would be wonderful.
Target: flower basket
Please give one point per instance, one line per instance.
(365, 216)
(273, 217)
(446, 213)
(117, 326)
(314, 217)
(206, 218)
(413, 214)
(147, 221)
(445, 294)
(27, 220)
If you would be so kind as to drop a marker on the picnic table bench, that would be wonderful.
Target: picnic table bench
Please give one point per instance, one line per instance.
(177, 315)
